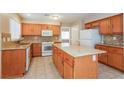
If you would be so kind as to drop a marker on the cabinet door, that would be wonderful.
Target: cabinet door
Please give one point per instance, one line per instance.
(95, 24)
(60, 63)
(36, 29)
(13, 63)
(56, 30)
(116, 60)
(102, 57)
(68, 71)
(25, 29)
(37, 49)
(88, 26)
(105, 26)
(117, 24)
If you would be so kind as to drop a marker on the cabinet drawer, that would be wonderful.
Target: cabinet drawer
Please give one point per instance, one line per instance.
(115, 50)
(60, 53)
(102, 47)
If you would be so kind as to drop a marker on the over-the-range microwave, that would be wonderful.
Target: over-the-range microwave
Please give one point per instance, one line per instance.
(47, 33)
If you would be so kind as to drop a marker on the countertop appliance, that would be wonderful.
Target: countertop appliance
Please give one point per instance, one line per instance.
(47, 33)
(47, 48)
(89, 37)
(27, 58)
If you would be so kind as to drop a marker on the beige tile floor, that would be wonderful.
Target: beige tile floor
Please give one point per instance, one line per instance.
(43, 68)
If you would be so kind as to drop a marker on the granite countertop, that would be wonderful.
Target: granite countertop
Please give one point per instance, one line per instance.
(111, 45)
(13, 46)
(78, 51)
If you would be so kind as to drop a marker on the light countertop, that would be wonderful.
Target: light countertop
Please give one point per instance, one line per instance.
(78, 51)
(13, 46)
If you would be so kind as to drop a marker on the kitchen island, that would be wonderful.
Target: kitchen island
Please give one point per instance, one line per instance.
(76, 62)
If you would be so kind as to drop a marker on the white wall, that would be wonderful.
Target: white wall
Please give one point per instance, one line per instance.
(5, 20)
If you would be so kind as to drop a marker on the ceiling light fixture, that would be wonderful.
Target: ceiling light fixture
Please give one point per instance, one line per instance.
(55, 17)
(28, 14)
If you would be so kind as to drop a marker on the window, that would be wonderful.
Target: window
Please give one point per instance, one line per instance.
(14, 29)
(65, 34)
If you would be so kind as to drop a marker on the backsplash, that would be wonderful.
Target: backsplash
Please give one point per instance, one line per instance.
(41, 39)
(113, 39)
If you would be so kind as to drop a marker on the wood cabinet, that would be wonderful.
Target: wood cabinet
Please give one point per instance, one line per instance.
(31, 29)
(13, 63)
(36, 49)
(35, 29)
(56, 30)
(117, 24)
(88, 26)
(92, 25)
(103, 58)
(109, 25)
(105, 26)
(71, 67)
(113, 57)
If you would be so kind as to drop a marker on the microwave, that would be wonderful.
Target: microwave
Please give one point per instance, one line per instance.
(47, 33)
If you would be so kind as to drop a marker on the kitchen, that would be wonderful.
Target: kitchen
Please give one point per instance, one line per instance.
(67, 45)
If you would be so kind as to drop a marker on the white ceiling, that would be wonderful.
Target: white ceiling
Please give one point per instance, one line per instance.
(64, 17)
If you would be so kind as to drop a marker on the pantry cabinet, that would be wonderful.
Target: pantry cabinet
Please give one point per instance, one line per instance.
(36, 49)
(13, 63)
(113, 57)
(31, 29)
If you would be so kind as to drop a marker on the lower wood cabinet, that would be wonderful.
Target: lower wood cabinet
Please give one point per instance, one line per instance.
(13, 63)
(36, 49)
(114, 56)
(68, 71)
(71, 67)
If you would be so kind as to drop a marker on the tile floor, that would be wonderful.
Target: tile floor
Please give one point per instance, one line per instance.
(43, 68)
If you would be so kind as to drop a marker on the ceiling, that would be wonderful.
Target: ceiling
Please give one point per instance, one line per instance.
(63, 17)
(67, 18)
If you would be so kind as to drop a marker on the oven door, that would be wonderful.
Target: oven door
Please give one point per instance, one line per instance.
(47, 48)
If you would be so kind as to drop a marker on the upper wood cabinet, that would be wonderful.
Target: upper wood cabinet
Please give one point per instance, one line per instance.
(105, 26)
(110, 25)
(117, 24)
(88, 26)
(91, 25)
(56, 30)
(31, 29)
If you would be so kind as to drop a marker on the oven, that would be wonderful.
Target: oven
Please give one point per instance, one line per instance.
(47, 48)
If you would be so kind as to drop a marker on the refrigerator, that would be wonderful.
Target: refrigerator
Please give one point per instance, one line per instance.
(89, 37)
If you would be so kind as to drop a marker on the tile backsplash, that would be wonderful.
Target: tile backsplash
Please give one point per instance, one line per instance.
(41, 39)
(113, 39)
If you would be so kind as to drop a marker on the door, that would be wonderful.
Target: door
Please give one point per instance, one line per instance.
(105, 26)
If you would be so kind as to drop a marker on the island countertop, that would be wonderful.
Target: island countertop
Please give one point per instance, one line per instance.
(78, 51)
